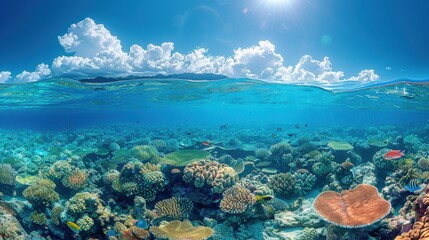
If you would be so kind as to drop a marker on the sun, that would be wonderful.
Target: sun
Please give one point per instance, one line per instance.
(278, 2)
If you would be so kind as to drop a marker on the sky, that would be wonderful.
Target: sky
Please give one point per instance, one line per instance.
(278, 40)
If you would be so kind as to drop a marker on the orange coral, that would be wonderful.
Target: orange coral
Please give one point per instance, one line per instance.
(75, 180)
(359, 207)
(420, 230)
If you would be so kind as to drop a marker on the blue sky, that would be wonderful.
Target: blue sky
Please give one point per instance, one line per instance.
(387, 36)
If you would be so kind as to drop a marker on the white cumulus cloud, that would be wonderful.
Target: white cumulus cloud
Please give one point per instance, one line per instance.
(42, 71)
(366, 76)
(93, 51)
(4, 76)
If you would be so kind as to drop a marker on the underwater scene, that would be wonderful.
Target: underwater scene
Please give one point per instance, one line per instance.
(217, 120)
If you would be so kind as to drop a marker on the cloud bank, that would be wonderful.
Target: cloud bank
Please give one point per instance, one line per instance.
(93, 51)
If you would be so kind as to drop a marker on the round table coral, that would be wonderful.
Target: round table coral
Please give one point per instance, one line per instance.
(359, 207)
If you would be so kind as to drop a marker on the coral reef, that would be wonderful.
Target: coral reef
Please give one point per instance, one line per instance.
(176, 208)
(359, 207)
(7, 178)
(182, 158)
(41, 194)
(138, 179)
(236, 200)
(75, 180)
(181, 230)
(324, 164)
(215, 175)
(303, 182)
(282, 183)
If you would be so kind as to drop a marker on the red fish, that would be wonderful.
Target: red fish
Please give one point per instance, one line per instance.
(394, 154)
(206, 143)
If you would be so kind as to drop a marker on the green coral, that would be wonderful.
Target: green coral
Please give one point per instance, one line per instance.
(138, 179)
(324, 164)
(41, 193)
(185, 157)
(7, 178)
(85, 223)
(309, 234)
(282, 183)
(145, 153)
(304, 182)
(83, 203)
(279, 149)
(55, 214)
(38, 218)
(59, 169)
(153, 182)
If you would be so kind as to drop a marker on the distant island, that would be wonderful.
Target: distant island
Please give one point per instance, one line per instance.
(185, 76)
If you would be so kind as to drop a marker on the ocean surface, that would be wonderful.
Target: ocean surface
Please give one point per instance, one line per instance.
(277, 146)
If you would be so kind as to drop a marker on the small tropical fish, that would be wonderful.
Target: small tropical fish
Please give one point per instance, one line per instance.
(223, 126)
(413, 186)
(74, 227)
(279, 129)
(394, 154)
(290, 134)
(142, 223)
(305, 125)
(206, 143)
(268, 211)
(273, 135)
(263, 198)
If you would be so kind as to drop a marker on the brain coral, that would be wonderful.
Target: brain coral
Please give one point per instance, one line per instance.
(180, 230)
(215, 175)
(41, 193)
(282, 183)
(176, 208)
(237, 199)
(359, 207)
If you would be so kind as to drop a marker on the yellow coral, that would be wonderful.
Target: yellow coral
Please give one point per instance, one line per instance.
(42, 192)
(149, 167)
(181, 230)
(217, 175)
(237, 199)
(175, 208)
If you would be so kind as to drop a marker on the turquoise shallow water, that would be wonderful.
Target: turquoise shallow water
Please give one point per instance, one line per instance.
(241, 157)
(69, 102)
